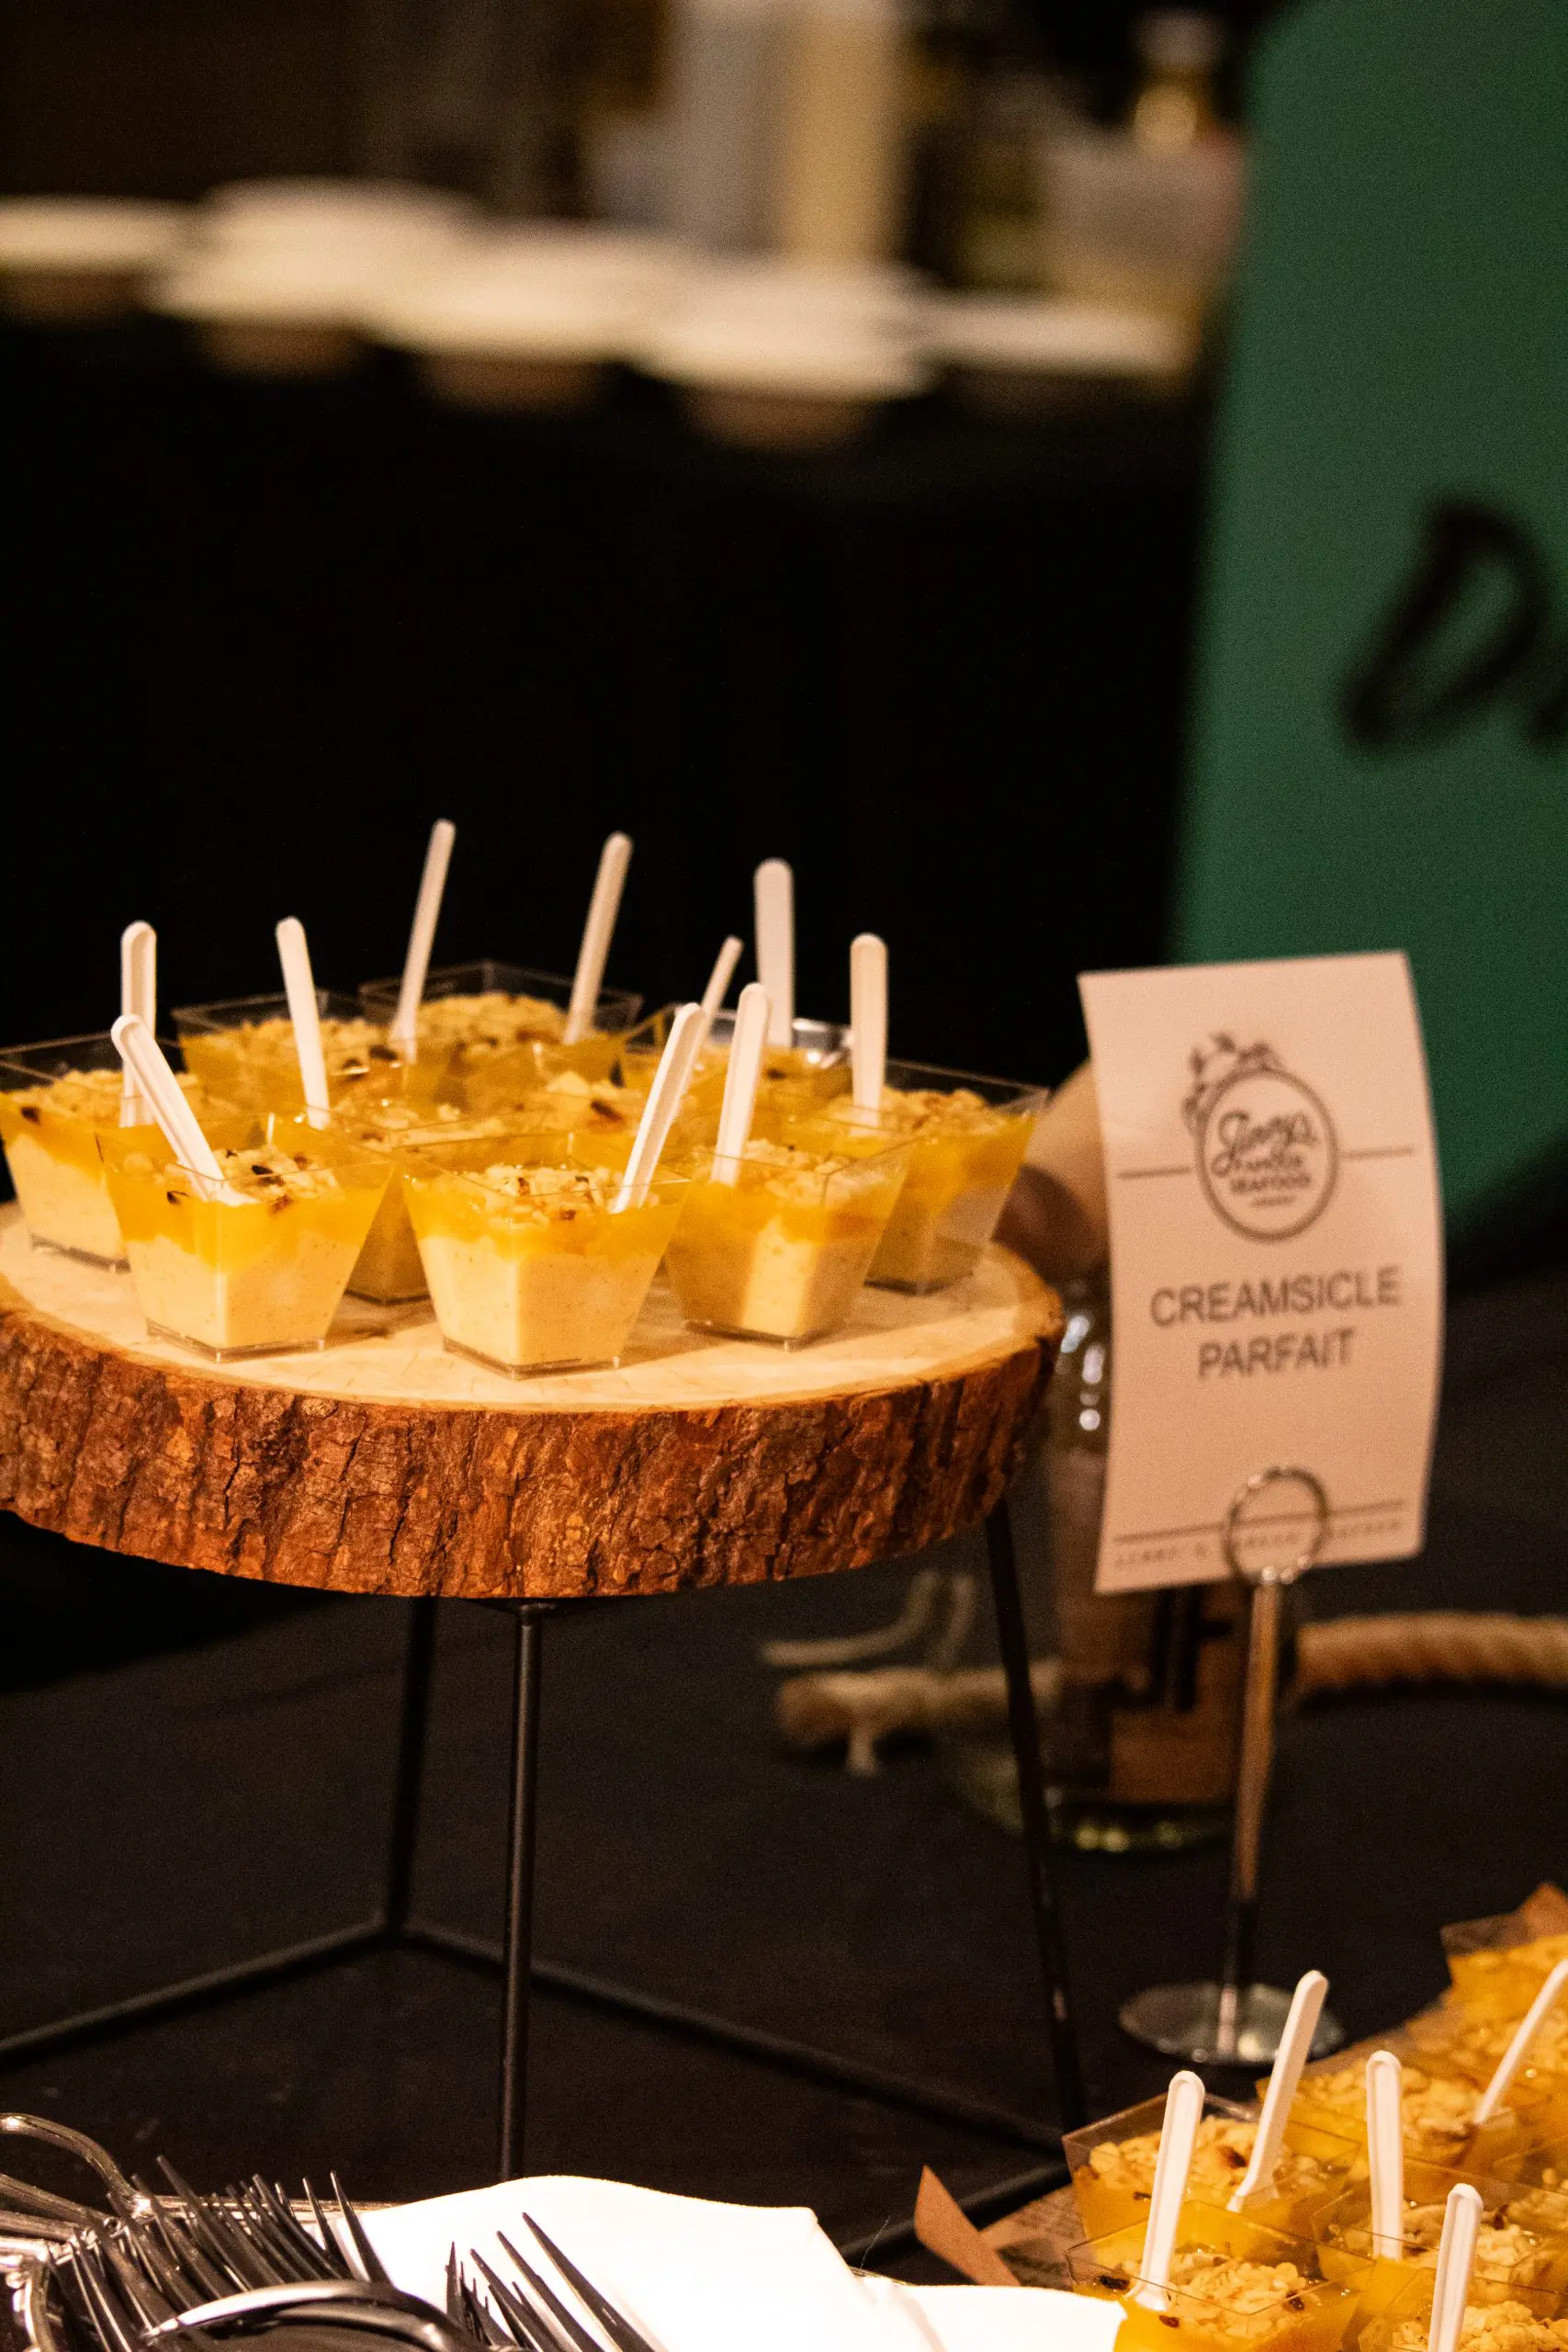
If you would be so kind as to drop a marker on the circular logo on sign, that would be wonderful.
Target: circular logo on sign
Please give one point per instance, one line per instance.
(1267, 1156)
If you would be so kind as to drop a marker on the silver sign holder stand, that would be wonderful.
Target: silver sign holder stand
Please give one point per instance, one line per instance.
(1236, 2022)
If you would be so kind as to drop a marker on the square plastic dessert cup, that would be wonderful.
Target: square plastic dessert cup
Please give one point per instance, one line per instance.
(1497, 1967)
(498, 1053)
(1112, 2165)
(1235, 2288)
(536, 1270)
(966, 1155)
(243, 1050)
(389, 1268)
(56, 1100)
(1516, 2260)
(638, 1051)
(779, 1252)
(1451, 2041)
(1405, 2325)
(812, 1069)
(260, 1275)
(1440, 2125)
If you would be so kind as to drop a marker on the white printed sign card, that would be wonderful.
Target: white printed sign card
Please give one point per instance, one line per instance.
(1276, 1257)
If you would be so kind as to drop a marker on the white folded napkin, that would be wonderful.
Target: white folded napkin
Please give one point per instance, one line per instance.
(694, 2277)
(1004, 2319)
(699, 2277)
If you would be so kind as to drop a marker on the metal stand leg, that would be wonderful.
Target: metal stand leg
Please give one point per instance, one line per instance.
(1024, 1725)
(1238, 2022)
(519, 1948)
(418, 1662)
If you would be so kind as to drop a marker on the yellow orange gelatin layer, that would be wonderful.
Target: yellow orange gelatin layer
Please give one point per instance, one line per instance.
(52, 1134)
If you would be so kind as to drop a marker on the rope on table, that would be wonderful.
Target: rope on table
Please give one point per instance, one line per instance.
(1440, 1645)
(817, 1711)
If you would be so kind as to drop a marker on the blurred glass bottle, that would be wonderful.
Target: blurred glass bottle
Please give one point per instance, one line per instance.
(1141, 1744)
(1141, 1750)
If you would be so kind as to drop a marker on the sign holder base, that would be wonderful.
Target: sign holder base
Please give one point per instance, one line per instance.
(1238, 2022)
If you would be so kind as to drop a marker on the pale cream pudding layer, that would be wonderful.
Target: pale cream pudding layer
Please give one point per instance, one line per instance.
(376, 1354)
(64, 1203)
(274, 1303)
(774, 1283)
(543, 1310)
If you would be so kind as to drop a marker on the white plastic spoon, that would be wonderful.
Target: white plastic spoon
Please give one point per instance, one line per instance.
(1295, 2043)
(1456, 2260)
(138, 994)
(422, 937)
(774, 901)
(868, 1020)
(746, 1047)
(1178, 2137)
(1385, 2151)
(305, 1013)
(597, 933)
(1513, 2058)
(717, 989)
(142, 1054)
(665, 1096)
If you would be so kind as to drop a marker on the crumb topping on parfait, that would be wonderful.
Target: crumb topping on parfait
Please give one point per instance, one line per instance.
(930, 1110)
(1226, 2294)
(546, 1195)
(1223, 2152)
(1487, 2327)
(489, 1021)
(267, 1174)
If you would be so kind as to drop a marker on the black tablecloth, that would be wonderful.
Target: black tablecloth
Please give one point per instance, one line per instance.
(259, 634)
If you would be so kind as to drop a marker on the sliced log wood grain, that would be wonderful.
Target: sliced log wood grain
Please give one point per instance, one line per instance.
(384, 1466)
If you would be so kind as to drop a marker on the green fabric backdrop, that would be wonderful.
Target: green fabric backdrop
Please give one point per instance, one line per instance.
(1381, 756)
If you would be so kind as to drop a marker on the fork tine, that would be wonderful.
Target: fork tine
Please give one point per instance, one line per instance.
(330, 2240)
(615, 2322)
(374, 2267)
(574, 2330)
(204, 2220)
(536, 2332)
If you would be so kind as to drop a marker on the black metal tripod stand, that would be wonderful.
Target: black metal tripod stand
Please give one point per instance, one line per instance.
(394, 1924)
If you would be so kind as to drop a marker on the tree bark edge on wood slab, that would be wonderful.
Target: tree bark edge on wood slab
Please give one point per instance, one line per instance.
(348, 1495)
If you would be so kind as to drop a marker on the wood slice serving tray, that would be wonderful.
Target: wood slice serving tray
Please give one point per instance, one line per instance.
(384, 1464)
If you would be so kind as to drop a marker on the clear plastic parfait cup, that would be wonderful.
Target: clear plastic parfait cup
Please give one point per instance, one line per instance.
(1438, 2111)
(781, 1253)
(969, 1135)
(530, 1266)
(812, 1069)
(1449, 2041)
(389, 1268)
(1521, 2252)
(244, 1049)
(56, 1100)
(258, 1274)
(1496, 1969)
(1234, 2286)
(1487, 2326)
(1112, 2168)
(500, 1029)
(636, 1059)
